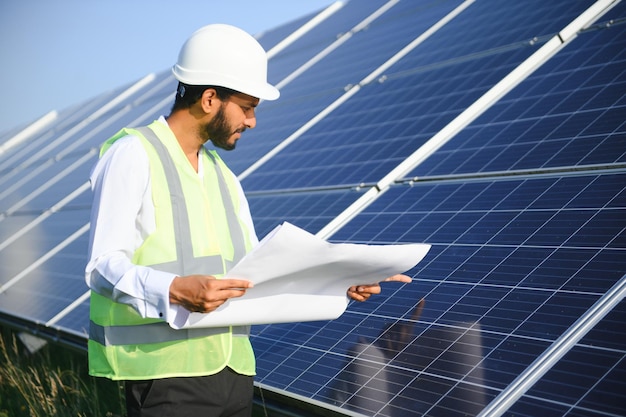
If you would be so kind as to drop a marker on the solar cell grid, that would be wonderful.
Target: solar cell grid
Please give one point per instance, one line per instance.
(40, 179)
(369, 48)
(269, 38)
(11, 159)
(589, 380)
(45, 233)
(76, 321)
(37, 193)
(38, 147)
(373, 147)
(497, 304)
(43, 285)
(67, 119)
(601, 335)
(310, 210)
(568, 113)
(348, 65)
(384, 123)
(318, 38)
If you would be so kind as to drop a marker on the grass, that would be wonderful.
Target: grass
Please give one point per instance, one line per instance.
(52, 382)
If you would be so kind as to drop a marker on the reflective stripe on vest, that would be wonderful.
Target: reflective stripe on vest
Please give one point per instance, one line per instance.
(153, 333)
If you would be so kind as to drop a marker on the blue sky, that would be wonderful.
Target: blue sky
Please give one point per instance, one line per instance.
(58, 53)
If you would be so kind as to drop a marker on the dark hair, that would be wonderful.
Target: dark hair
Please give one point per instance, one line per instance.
(187, 95)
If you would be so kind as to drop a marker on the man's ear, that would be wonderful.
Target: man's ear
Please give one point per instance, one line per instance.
(209, 100)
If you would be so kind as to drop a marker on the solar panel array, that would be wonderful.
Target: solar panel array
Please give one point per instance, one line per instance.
(496, 133)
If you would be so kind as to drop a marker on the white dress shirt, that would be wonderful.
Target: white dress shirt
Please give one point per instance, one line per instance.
(122, 216)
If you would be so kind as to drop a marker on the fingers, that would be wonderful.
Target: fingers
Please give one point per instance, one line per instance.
(356, 296)
(218, 291)
(364, 292)
(368, 289)
(204, 293)
(239, 284)
(399, 278)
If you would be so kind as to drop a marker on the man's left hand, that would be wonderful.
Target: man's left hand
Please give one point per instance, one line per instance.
(363, 292)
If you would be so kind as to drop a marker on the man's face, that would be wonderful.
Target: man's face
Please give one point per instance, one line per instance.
(235, 115)
(219, 131)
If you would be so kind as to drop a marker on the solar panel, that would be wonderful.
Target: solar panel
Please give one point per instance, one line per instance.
(308, 209)
(345, 65)
(337, 23)
(383, 123)
(588, 380)
(524, 206)
(568, 113)
(46, 202)
(520, 266)
(481, 309)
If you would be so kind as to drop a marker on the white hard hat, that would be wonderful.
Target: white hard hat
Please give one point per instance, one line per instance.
(225, 56)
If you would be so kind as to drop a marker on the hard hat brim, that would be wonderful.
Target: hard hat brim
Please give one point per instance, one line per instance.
(261, 90)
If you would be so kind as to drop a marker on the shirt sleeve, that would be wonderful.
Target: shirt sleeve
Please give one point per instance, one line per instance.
(122, 217)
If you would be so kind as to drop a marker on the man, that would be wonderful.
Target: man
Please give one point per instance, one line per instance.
(168, 220)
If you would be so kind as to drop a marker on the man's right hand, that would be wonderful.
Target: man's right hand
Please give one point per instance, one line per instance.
(205, 293)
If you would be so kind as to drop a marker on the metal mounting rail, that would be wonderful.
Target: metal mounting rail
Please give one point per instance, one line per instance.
(556, 351)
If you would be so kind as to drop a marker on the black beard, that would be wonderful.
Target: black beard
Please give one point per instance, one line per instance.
(218, 131)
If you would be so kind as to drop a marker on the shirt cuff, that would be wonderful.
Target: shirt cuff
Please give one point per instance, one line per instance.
(157, 292)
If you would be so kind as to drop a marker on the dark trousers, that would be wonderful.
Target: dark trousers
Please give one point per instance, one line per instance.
(223, 394)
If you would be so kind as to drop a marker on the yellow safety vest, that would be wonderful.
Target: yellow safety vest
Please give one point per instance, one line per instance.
(198, 231)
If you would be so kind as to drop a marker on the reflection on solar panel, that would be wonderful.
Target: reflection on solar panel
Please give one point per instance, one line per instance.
(496, 134)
